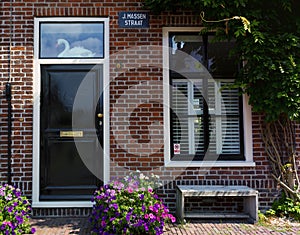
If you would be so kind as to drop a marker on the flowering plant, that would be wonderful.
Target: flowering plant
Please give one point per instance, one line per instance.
(129, 206)
(14, 208)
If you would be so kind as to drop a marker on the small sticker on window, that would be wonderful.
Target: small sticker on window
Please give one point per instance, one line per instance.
(176, 148)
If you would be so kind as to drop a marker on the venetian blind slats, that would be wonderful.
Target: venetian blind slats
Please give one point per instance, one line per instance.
(187, 118)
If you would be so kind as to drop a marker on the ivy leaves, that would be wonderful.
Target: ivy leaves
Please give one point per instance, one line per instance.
(267, 35)
(271, 74)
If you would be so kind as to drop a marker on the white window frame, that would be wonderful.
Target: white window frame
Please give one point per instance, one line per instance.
(247, 117)
(36, 106)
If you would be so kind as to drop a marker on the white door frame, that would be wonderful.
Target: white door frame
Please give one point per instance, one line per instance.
(36, 107)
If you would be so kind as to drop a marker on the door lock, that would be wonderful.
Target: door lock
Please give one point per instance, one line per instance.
(100, 115)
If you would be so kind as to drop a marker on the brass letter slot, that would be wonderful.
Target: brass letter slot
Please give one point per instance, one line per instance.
(71, 134)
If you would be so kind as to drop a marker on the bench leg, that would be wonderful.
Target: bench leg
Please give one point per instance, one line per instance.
(179, 205)
(251, 207)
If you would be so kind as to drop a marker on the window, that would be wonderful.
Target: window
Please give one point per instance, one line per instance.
(205, 116)
(72, 39)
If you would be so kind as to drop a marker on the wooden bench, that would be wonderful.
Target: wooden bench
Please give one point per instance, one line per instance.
(250, 198)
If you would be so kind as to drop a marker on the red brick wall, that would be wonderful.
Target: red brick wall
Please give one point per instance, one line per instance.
(136, 97)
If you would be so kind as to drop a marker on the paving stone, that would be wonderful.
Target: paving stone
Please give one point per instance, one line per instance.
(81, 226)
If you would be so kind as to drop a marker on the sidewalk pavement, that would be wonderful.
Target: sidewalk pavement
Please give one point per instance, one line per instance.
(81, 226)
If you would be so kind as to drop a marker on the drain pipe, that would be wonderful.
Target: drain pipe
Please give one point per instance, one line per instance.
(9, 131)
(9, 106)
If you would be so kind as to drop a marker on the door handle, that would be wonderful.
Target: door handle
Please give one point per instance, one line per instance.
(100, 115)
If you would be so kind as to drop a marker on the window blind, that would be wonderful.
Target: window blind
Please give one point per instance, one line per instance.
(187, 104)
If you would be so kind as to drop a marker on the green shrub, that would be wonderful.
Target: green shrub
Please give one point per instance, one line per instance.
(285, 207)
(14, 211)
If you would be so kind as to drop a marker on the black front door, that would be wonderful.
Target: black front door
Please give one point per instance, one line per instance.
(65, 172)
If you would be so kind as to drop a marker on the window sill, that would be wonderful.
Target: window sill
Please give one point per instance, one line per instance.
(210, 164)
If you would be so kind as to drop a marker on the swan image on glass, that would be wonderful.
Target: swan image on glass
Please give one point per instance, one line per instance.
(76, 51)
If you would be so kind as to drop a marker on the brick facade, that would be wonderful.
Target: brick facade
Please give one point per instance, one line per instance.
(136, 96)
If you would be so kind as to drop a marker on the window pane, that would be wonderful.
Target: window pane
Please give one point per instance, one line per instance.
(187, 53)
(230, 119)
(71, 40)
(230, 99)
(212, 100)
(220, 63)
(197, 98)
(198, 145)
(180, 124)
(230, 135)
(225, 121)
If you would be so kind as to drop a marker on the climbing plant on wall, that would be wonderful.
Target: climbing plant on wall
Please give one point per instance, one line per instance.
(267, 35)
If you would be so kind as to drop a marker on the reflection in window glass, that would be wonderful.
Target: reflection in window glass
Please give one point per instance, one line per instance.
(71, 40)
(187, 53)
(191, 53)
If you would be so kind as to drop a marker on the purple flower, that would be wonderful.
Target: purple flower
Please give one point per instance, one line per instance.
(128, 217)
(140, 223)
(115, 206)
(17, 192)
(33, 230)
(156, 207)
(142, 196)
(19, 219)
(172, 218)
(151, 216)
(7, 223)
(112, 192)
(10, 209)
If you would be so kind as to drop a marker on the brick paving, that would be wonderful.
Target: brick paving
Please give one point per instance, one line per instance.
(80, 226)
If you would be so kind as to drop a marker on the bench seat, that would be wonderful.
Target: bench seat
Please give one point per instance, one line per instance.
(249, 195)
